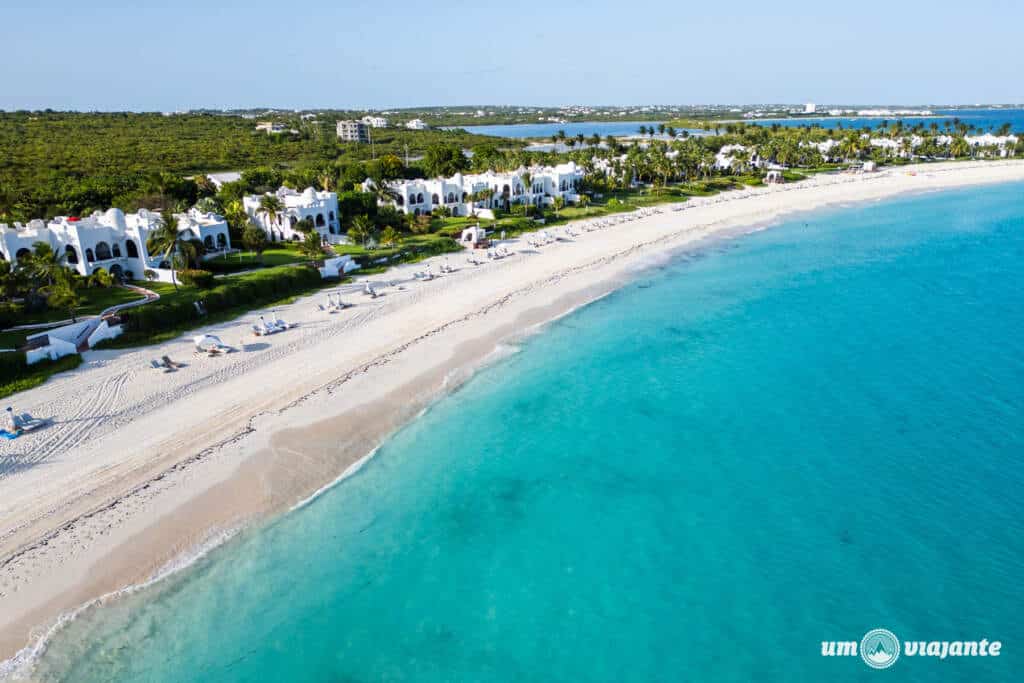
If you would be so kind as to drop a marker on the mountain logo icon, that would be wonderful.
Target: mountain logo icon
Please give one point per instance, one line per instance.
(879, 648)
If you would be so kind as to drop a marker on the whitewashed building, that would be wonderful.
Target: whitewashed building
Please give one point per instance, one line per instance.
(321, 208)
(416, 124)
(463, 195)
(375, 121)
(111, 240)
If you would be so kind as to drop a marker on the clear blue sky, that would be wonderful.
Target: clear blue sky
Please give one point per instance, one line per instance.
(117, 55)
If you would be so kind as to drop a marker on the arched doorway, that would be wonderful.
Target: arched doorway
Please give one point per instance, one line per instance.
(208, 242)
(117, 272)
(131, 249)
(222, 241)
(70, 255)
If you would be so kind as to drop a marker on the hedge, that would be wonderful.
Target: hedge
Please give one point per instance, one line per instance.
(250, 291)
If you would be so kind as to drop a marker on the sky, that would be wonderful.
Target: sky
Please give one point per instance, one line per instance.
(101, 55)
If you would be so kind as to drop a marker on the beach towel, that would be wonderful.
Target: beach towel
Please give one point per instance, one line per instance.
(9, 435)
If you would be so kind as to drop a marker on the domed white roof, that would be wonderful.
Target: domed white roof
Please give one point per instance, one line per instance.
(115, 217)
(309, 194)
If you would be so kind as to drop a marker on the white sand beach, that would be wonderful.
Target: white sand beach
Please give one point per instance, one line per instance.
(141, 467)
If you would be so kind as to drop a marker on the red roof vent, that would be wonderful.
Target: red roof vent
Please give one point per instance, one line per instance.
(73, 219)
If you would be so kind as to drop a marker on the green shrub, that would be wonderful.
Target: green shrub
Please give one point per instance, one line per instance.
(10, 314)
(17, 375)
(203, 279)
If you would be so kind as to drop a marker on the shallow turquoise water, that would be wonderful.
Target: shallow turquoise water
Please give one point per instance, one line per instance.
(791, 437)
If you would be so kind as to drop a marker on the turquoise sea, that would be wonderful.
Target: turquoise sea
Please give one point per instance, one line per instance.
(793, 436)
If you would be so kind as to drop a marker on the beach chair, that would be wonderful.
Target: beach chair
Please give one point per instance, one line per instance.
(27, 423)
(168, 363)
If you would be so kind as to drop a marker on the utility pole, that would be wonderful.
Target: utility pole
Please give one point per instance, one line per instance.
(406, 155)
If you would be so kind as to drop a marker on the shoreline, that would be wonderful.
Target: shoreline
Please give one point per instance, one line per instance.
(258, 436)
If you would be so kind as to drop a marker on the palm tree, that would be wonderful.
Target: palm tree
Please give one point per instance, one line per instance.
(45, 263)
(527, 179)
(166, 240)
(271, 206)
(311, 246)
(361, 230)
(254, 239)
(558, 203)
(389, 237)
(384, 192)
(63, 294)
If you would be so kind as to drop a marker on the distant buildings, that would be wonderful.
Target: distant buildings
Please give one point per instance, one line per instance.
(810, 108)
(416, 124)
(463, 195)
(318, 210)
(218, 179)
(353, 131)
(111, 241)
(271, 127)
(375, 121)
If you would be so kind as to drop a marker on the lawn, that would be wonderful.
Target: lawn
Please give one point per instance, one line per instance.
(245, 260)
(93, 301)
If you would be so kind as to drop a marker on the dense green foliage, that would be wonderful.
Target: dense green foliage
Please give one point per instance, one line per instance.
(58, 163)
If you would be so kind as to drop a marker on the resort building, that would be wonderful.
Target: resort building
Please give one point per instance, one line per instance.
(375, 121)
(463, 195)
(271, 127)
(111, 241)
(318, 210)
(416, 124)
(353, 131)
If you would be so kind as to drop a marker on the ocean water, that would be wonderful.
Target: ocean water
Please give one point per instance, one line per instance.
(987, 119)
(793, 436)
(546, 130)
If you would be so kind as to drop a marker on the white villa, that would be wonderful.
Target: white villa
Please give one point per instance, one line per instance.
(375, 121)
(320, 207)
(111, 241)
(416, 124)
(421, 196)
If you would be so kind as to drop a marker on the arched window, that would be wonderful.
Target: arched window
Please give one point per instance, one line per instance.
(22, 253)
(451, 197)
(330, 215)
(505, 190)
(131, 249)
(115, 250)
(70, 255)
(319, 220)
(434, 200)
(88, 256)
(208, 242)
(102, 251)
(222, 241)
(2, 257)
(292, 221)
(465, 196)
(400, 200)
(419, 198)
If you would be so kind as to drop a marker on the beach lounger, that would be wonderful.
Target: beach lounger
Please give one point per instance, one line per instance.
(27, 423)
(168, 363)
